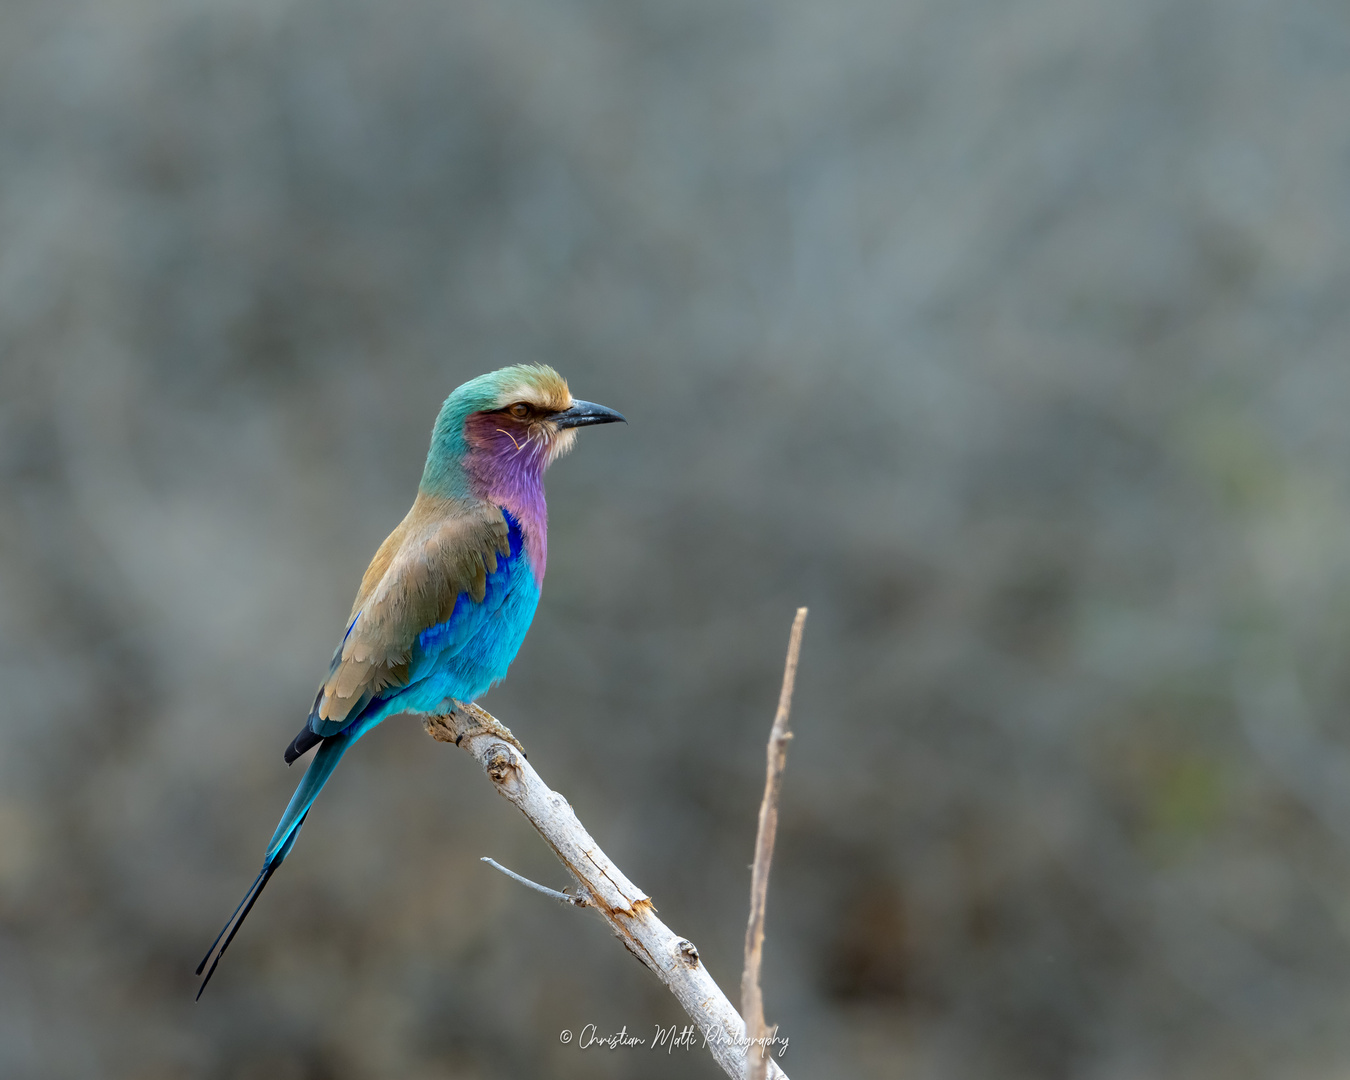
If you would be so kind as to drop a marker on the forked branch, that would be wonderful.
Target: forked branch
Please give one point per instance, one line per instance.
(603, 886)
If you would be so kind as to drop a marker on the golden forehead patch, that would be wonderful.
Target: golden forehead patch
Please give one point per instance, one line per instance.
(537, 385)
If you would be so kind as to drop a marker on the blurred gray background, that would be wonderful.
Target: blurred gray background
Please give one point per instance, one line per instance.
(1014, 339)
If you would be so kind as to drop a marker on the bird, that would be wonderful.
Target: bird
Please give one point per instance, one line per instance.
(446, 602)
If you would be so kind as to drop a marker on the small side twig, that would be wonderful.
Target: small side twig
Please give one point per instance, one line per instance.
(752, 999)
(625, 907)
(578, 900)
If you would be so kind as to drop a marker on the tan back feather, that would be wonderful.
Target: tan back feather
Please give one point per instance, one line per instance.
(441, 549)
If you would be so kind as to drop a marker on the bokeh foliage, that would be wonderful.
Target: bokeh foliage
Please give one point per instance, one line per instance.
(1012, 339)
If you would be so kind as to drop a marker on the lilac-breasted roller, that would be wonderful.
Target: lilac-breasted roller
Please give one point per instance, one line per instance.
(445, 603)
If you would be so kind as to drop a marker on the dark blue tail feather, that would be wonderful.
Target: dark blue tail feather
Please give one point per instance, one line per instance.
(320, 769)
(302, 743)
(245, 906)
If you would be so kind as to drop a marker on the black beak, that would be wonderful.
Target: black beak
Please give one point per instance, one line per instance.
(584, 414)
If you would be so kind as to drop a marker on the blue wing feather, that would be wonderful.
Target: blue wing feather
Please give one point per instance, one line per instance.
(466, 654)
(460, 657)
(451, 636)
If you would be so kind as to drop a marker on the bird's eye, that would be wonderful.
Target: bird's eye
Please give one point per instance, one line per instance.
(520, 410)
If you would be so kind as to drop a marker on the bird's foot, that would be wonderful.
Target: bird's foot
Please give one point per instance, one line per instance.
(465, 721)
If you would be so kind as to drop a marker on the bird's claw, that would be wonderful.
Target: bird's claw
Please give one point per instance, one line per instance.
(497, 728)
(464, 721)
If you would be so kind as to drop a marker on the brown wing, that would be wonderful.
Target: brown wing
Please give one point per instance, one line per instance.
(441, 549)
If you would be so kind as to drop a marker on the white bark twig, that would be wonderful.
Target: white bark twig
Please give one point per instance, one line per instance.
(752, 1000)
(626, 908)
(578, 900)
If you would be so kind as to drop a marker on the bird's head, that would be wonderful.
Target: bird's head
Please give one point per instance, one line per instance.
(501, 431)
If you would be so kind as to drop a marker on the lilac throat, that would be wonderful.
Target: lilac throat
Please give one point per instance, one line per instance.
(506, 467)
